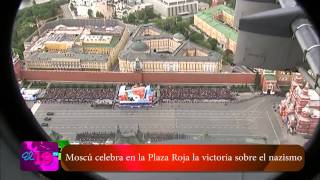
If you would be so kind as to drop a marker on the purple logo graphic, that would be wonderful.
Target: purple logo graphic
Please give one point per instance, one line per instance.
(39, 156)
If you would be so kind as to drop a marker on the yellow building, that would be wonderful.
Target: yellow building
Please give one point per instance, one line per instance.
(218, 23)
(151, 50)
(91, 45)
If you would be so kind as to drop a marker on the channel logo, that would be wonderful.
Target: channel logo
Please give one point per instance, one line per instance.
(39, 156)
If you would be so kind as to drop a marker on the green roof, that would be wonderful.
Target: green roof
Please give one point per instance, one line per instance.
(113, 43)
(207, 16)
(270, 77)
(223, 8)
(268, 71)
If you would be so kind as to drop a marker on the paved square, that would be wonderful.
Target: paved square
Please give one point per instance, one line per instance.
(255, 118)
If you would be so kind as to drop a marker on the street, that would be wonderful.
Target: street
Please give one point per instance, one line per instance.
(66, 12)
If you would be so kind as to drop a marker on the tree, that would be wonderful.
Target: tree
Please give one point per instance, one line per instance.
(131, 18)
(141, 16)
(227, 57)
(72, 7)
(195, 36)
(180, 27)
(145, 20)
(99, 15)
(257, 81)
(125, 19)
(149, 13)
(179, 19)
(213, 43)
(90, 13)
(26, 20)
(231, 3)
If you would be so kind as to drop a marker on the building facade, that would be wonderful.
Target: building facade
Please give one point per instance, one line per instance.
(218, 23)
(300, 110)
(169, 8)
(151, 50)
(273, 81)
(284, 78)
(217, 2)
(203, 6)
(268, 82)
(88, 45)
(123, 9)
(81, 8)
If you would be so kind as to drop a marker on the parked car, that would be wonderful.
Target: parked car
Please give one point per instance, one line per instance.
(44, 124)
(50, 113)
(47, 119)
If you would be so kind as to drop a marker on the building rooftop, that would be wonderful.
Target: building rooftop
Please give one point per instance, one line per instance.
(76, 26)
(265, 71)
(139, 46)
(96, 38)
(60, 37)
(207, 16)
(179, 37)
(224, 8)
(166, 56)
(270, 77)
(114, 41)
(136, 48)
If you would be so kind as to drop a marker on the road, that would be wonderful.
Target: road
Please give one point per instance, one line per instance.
(254, 118)
(66, 11)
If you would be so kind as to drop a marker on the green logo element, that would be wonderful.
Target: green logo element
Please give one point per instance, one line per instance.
(61, 144)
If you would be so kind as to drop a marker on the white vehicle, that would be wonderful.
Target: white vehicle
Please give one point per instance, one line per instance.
(74, 143)
(29, 97)
(30, 91)
(109, 142)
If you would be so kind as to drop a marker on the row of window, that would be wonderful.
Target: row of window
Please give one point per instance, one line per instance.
(96, 50)
(191, 8)
(65, 65)
(175, 67)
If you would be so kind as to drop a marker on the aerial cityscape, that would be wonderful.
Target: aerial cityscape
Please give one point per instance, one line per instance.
(159, 71)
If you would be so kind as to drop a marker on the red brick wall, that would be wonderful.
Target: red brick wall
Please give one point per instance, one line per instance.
(139, 77)
(217, 2)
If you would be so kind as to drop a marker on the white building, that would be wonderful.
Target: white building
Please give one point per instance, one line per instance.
(174, 7)
(82, 7)
(139, 7)
(121, 9)
(41, 1)
(124, 9)
(203, 6)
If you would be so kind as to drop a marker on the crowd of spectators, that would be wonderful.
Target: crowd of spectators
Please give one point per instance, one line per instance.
(77, 95)
(168, 93)
(100, 137)
(196, 93)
